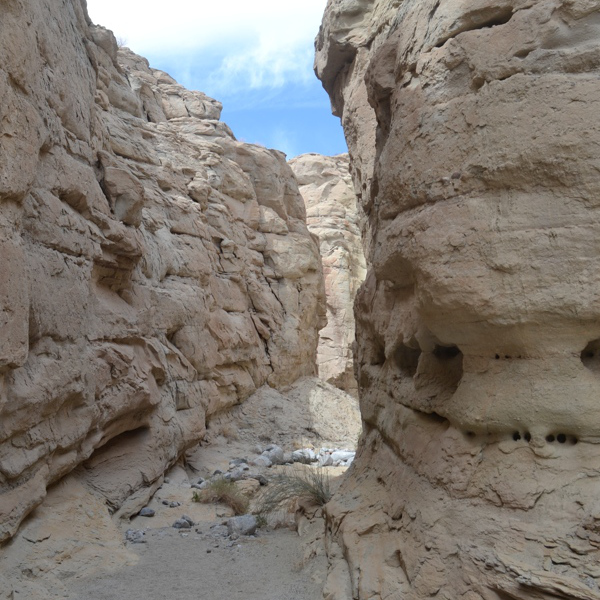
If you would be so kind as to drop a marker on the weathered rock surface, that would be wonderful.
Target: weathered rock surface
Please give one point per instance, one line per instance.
(154, 270)
(309, 411)
(331, 209)
(475, 158)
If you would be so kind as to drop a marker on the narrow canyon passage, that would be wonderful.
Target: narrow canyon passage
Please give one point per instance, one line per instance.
(178, 312)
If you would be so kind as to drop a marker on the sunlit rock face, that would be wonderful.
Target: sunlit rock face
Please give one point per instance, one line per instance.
(471, 133)
(332, 214)
(154, 270)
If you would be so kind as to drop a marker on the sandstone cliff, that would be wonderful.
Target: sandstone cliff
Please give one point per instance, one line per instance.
(332, 214)
(474, 150)
(154, 270)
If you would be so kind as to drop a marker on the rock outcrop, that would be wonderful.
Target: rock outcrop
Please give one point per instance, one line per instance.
(331, 208)
(475, 158)
(154, 270)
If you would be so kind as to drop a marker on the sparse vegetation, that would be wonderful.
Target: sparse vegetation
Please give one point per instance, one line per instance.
(229, 432)
(286, 489)
(224, 492)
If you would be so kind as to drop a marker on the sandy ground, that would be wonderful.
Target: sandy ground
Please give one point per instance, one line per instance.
(197, 566)
(70, 548)
(204, 562)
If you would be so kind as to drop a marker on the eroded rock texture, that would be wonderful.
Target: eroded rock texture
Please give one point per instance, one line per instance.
(471, 130)
(332, 214)
(154, 270)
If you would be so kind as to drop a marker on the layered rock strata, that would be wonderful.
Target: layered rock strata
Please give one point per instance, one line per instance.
(154, 270)
(474, 154)
(326, 186)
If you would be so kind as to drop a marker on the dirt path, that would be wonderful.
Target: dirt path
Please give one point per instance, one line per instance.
(205, 562)
(203, 566)
(70, 548)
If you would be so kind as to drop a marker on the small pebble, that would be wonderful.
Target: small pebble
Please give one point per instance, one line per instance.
(135, 536)
(146, 512)
(181, 524)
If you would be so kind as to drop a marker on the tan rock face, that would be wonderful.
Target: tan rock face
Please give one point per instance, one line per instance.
(468, 126)
(155, 271)
(332, 214)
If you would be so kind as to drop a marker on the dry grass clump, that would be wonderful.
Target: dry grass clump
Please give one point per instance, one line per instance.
(287, 489)
(224, 492)
(229, 432)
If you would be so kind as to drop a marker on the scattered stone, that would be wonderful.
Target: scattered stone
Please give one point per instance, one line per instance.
(236, 462)
(261, 479)
(182, 524)
(165, 502)
(174, 504)
(304, 455)
(242, 525)
(236, 475)
(188, 519)
(146, 512)
(217, 472)
(342, 455)
(135, 536)
(261, 461)
(274, 453)
(325, 460)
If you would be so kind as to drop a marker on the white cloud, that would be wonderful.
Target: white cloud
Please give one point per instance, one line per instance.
(261, 43)
(285, 141)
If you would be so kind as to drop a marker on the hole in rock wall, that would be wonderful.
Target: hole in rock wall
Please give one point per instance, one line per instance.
(439, 373)
(436, 418)
(446, 352)
(590, 356)
(406, 360)
(124, 443)
(480, 19)
(376, 353)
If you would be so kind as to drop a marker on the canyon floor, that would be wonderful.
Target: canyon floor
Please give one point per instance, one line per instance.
(204, 563)
(70, 547)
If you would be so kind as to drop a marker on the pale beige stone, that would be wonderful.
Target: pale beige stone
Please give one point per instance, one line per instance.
(138, 295)
(332, 214)
(475, 161)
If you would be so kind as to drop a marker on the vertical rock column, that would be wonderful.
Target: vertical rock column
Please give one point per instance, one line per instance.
(332, 214)
(474, 150)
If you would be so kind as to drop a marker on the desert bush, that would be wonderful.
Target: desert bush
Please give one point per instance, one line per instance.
(286, 489)
(225, 492)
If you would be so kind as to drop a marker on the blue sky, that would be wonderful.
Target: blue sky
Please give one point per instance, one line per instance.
(254, 56)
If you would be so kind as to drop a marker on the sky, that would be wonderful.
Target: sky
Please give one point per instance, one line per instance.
(256, 57)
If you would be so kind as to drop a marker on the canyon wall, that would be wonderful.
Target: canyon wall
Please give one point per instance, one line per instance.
(154, 270)
(326, 186)
(475, 157)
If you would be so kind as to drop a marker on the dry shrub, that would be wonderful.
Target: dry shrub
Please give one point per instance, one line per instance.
(229, 432)
(287, 489)
(224, 492)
